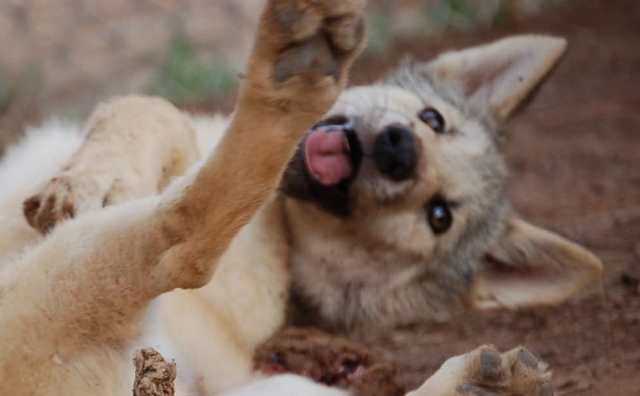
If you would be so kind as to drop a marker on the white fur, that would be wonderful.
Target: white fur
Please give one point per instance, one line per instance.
(24, 168)
(209, 130)
(42, 153)
(285, 385)
(210, 332)
(37, 157)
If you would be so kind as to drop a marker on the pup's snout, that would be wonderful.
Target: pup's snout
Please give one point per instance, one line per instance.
(394, 152)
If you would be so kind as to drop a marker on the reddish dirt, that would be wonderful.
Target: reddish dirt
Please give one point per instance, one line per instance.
(575, 160)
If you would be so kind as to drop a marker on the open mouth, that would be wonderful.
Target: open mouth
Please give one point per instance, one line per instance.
(332, 154)
(325, 166)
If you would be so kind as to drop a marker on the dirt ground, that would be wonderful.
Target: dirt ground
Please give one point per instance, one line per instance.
(575, 160)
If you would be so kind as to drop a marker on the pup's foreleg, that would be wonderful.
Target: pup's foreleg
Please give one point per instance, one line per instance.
(297, 70)
(80, 292)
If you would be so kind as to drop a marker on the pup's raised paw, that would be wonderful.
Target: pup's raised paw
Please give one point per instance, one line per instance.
(487, 372)
(317, 35)
(304, 48)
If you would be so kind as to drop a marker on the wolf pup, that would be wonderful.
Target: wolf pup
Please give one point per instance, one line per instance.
(396, 203)
(392, 211)
(72, 306)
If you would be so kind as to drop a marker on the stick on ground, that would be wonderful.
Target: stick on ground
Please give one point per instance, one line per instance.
(154, 376)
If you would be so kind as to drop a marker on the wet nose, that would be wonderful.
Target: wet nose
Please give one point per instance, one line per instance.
(394, 152)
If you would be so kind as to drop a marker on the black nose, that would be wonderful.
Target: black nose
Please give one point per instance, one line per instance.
(394, 152)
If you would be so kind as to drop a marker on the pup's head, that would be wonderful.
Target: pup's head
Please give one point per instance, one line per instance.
(412, 168)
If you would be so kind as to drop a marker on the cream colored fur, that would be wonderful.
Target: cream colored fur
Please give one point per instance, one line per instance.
(24, 168)
(74, 305)
(210, 332)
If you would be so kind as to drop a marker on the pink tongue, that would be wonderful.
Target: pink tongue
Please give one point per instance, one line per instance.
(326, 156)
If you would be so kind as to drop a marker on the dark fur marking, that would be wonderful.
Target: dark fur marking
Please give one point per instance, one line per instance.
(472, 390)
(68, 209)
(528, 359)
(30, 209)
(545, 389)
(311, 56)
(490, 365)
(342, 47)
(288, 14)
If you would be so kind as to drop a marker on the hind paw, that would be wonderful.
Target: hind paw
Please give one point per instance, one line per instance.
(55, 203)
(487, 372)
(67, 195)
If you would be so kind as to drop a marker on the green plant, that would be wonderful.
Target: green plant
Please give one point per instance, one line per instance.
(465, 14)
(379, 35)
(504, 13)
(183, 78)
(5, 93)
(461, 8)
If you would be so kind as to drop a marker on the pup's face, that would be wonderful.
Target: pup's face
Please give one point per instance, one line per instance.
(404, 165)
(404, 182)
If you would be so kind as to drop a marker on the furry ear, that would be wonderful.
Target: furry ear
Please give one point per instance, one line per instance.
(497, 77)
(531, 266)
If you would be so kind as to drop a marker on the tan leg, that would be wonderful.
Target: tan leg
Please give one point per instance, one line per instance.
(299, 66)
(75, 298)
(134, 146)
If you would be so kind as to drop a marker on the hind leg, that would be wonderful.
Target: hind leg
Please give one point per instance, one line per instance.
(134, 146)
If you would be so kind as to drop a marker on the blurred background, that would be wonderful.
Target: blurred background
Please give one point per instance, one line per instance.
(62, 56)
(574, 152)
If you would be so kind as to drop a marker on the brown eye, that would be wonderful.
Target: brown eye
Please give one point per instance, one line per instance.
(439, 216)
(433, 118)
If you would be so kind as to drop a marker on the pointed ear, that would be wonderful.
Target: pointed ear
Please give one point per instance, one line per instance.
(531, 266)
(497, 77)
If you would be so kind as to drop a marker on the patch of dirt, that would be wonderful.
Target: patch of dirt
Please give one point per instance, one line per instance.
(574, 154)
(327, 359)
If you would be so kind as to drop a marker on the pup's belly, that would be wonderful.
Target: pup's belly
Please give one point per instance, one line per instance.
(212, 332)
(183, 328)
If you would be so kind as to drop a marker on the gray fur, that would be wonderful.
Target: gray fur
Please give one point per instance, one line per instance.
(417, 77)
(430, 291)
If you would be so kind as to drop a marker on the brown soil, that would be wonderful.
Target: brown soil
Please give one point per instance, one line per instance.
(575, 160)
(328, 359)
